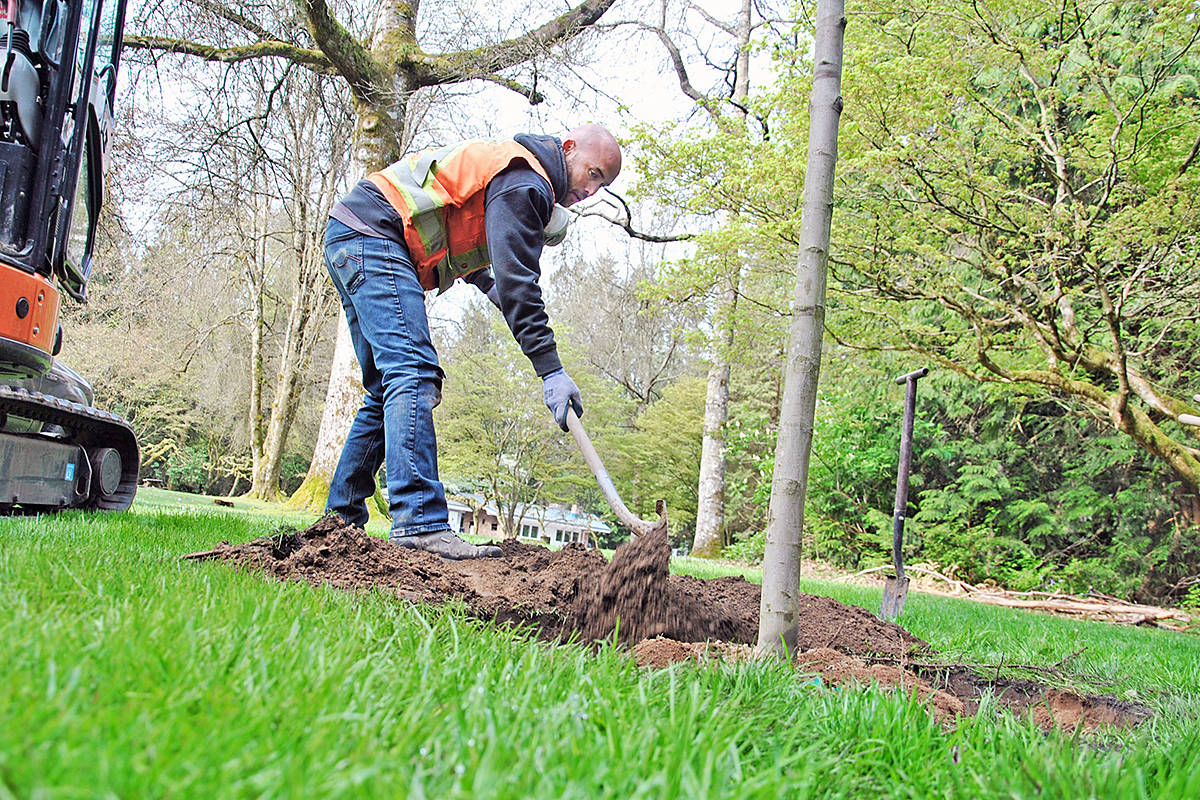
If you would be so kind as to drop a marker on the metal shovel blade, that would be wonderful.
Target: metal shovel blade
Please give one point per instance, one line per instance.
(895, 589)
(895, 592)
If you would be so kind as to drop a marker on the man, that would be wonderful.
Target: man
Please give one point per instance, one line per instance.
(418, 225)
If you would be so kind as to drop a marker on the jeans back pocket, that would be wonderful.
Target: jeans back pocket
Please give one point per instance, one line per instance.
(344, 258)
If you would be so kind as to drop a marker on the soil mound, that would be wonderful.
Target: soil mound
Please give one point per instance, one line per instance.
(574, 593)
(563, 594)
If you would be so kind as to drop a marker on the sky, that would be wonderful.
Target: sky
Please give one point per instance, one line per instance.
(620, 79)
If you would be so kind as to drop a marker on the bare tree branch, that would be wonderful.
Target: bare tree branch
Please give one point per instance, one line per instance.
(480, 62)
(626, 224)
(313, 59)
(243, 22)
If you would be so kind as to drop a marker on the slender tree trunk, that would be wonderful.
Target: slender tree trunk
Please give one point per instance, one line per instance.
(778, 613)
(710, 511)
(309, 303)
(255, 269)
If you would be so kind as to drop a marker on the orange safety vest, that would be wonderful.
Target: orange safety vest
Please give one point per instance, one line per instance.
(439, 194)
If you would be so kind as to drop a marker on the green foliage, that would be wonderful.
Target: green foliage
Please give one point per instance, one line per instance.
(1016, 202)
(185, 471)
(749, 548)
(660, 456)
(1018, 492)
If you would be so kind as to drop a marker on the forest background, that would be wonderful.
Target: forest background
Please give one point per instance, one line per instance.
(1015, 207)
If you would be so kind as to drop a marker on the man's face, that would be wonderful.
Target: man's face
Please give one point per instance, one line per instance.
(590, 166)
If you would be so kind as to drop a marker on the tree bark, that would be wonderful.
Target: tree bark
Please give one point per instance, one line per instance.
(710, 510)
(342, 399)
(308, 307)
(255, 259)
(778, 612)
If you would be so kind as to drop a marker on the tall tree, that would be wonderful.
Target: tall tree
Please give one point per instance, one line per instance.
(1023, 208)
(385, 66)
(785, 518)
(727, 109)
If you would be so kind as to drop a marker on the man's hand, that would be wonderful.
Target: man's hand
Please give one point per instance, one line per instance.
(558, 390)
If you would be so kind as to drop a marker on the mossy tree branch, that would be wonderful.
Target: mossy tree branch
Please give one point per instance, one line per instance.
(368, 79)
(313, 59)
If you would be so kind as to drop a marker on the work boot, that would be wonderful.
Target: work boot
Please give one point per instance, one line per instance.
(447, 545)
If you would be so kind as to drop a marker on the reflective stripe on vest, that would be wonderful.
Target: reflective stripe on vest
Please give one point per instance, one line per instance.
(440, 196)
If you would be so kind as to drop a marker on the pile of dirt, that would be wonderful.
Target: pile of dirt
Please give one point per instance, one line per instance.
(574, 593)
(563, 594)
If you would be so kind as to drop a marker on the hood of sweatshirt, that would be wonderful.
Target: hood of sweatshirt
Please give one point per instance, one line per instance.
(549, 152)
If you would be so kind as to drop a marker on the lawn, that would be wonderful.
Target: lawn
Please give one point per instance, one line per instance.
(132, 674)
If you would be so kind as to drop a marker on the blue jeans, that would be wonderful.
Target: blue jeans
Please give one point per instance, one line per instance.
(385, 307)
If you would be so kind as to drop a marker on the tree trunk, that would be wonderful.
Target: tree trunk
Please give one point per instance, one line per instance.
(342, 400)
(710, 510)
(255, 269)
(778, 612)
(308, 306)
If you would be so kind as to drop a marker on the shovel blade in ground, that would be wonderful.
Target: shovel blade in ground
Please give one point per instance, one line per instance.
(895, 592)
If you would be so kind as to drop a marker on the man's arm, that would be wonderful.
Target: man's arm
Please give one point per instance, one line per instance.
(518, 206)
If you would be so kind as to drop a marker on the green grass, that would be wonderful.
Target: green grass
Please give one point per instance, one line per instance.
(128, 673)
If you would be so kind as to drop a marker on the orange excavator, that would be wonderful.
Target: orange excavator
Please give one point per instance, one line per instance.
(58, 77)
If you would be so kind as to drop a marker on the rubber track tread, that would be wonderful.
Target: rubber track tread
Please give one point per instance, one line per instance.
(91, 428)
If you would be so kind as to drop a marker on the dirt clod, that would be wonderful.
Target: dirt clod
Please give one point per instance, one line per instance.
(574, 593)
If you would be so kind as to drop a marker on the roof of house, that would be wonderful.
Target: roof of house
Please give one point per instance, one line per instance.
(565, 515)
(535, 513)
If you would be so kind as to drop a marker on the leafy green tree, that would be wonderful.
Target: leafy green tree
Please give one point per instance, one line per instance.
(493, 428)
(1021, 205)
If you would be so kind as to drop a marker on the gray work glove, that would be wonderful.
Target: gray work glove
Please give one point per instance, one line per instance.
(558, 390)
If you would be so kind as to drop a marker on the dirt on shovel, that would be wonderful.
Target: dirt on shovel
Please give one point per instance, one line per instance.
(577, 594)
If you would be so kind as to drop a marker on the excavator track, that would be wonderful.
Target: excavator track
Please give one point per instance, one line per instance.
(87, 427)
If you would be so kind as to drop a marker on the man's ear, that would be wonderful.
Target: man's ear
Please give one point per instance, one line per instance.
(568, 145)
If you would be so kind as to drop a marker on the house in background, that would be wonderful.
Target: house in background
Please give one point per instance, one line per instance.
(556, 524)
(460, 514)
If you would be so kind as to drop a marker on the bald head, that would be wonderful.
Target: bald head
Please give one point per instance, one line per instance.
(593, 160)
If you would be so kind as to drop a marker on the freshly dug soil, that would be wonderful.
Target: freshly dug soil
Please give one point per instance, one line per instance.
(575, 593)
(949, 691)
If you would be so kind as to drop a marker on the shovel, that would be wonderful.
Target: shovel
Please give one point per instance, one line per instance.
(895, 589)
(635, 524)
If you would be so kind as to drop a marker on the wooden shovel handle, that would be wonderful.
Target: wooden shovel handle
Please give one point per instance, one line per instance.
(635, 524)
